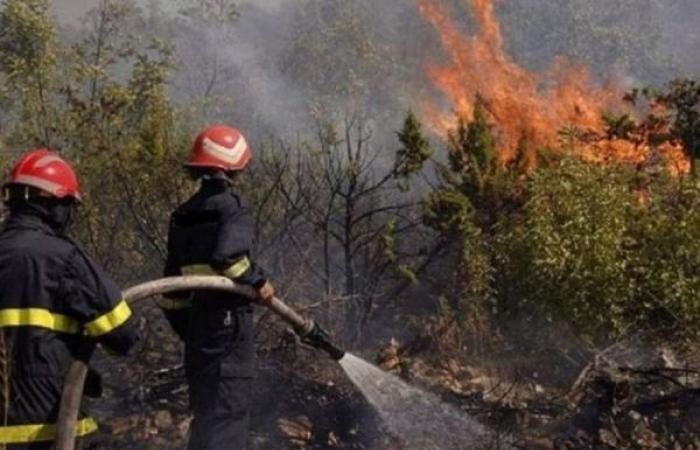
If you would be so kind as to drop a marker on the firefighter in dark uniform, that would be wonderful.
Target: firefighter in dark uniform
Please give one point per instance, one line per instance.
(56, 305)
(211, 234)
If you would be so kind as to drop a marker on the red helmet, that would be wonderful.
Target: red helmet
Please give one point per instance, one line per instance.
(220, 147)
(46, 171)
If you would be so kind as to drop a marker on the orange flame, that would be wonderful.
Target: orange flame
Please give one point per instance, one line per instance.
(526, 105)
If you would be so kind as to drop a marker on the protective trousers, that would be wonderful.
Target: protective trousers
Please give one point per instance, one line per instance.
(84, 443)
(31, 446)
(219, 369)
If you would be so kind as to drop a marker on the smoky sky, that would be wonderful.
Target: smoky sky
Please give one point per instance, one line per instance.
(677, 19)
(72, 10)
(261, 71)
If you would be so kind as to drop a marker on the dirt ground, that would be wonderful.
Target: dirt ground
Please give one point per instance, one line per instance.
(633, 395)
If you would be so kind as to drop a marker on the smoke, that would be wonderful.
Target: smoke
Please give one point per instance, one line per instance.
(285, 63)
(268, 5)
(237, 64)
(681, 36)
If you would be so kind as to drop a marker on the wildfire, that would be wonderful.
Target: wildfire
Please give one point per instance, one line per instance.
(536, 107)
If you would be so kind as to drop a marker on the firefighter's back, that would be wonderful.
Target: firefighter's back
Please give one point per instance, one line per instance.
(32, 268)
(56, 304)
(40, 333)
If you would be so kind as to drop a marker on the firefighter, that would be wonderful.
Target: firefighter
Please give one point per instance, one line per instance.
(211, 234)
(55, 302)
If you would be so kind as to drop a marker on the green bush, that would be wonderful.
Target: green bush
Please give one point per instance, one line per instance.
(593, 246)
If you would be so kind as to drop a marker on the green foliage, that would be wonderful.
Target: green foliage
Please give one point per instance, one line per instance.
(587, 248)
(682, 97)
(449, 211)
(27, 63)
(563, 253)
(674, 115)
(664, 260)
(476, 185)
(619, 126)
(415, 149)
(105, 108)
(606, 248)
(26, 38)
(464, 208)
(473, 154)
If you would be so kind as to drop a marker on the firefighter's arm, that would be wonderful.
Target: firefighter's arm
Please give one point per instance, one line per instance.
(231, 256)
(96, 301)
(175, 306)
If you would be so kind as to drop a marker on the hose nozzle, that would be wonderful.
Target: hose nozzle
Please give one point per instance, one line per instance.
(318, 338)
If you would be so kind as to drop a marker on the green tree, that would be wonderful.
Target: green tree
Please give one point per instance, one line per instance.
(674, 115)
(105, 107)
(592, 248)
(564, 254)
(28, 55)
(463, 209)
(475, 173)
(682, 98)
(415, 149)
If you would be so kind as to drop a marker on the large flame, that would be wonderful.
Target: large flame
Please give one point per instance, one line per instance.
(534, 107)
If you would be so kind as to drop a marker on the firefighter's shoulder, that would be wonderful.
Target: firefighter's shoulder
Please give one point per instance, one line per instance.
(226, 202)
(81, 264)
(50, 246)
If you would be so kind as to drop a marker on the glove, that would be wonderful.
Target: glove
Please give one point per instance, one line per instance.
(266, 293)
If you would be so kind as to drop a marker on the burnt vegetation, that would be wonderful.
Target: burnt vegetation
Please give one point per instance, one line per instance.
(552, 296)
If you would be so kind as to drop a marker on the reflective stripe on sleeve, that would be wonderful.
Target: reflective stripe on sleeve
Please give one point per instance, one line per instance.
(236, 270)
(16, 434)
(174, 304)
(108, 322)
(38, 317)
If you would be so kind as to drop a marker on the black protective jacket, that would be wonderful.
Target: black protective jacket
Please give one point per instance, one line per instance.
(210, 234)
(55, 305)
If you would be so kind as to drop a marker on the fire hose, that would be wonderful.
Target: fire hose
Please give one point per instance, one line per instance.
(309, 332)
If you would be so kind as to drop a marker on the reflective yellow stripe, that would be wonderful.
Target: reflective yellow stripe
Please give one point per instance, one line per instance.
(15, 434)
(38, 317)
(174, 304)
(108, 322)
(236, 270)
